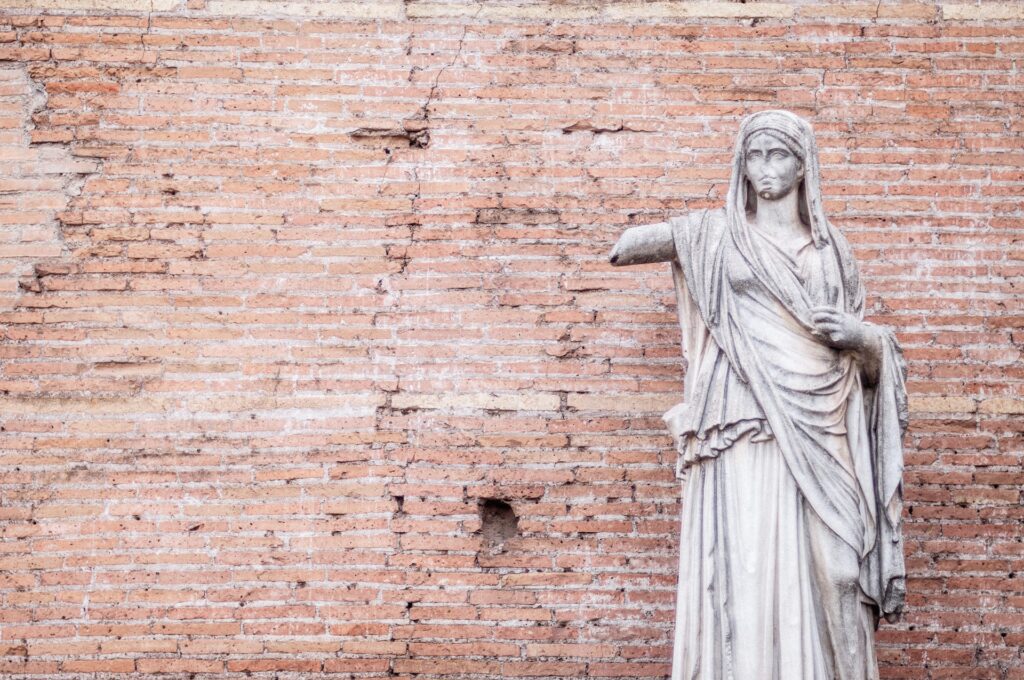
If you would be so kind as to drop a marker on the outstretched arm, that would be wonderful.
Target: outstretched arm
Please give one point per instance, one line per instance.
(644, 244)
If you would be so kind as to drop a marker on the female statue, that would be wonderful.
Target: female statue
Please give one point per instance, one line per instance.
(789, 438)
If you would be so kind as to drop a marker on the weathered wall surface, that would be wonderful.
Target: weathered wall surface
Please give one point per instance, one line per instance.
(290, 289)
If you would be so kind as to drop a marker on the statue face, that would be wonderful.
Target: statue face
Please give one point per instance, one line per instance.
(771, 167)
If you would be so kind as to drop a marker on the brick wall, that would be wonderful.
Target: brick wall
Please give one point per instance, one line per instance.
(295, 296)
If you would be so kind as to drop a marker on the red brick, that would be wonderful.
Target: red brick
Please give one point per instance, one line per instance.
(261, 368)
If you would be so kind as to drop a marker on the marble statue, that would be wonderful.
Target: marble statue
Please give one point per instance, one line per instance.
(789, 437)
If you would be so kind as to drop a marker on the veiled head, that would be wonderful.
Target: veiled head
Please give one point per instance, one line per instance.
(776, 154)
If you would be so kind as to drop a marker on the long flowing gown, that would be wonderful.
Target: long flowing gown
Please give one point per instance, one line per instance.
(790, 542)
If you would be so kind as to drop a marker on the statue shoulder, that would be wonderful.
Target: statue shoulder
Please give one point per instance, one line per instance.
(699, 224)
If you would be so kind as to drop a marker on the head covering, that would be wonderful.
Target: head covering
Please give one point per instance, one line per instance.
(837, 256)
(782, 125)
(796, 134)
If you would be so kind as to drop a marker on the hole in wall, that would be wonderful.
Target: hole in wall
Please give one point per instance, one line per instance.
(498, 523)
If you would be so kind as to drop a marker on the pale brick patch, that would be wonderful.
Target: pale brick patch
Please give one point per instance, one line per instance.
(94, 5)
(503, 402)
(729, 10)
(984, 11)
(350, 11)
(1004, 405)
(942, 405)
(542, 11)
(638, 403)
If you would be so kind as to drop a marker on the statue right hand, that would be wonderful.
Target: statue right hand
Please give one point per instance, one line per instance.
(839, 329)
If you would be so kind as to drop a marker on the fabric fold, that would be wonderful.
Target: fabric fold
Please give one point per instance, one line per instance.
(736, 385)
(791, 544)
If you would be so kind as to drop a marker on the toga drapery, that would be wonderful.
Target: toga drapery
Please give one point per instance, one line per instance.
(778, 434)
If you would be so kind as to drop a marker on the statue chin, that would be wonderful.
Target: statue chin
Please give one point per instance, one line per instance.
(773, 194)
(767, 195)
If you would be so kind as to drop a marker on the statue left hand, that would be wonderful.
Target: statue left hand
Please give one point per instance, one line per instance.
(839, 329)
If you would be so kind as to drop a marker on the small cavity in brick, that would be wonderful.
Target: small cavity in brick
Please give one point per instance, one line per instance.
(498, 523)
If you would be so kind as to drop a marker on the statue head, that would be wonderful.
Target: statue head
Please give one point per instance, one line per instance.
(773, 168)
(776, 154)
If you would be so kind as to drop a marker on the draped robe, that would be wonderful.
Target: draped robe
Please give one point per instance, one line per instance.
(776, 424)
